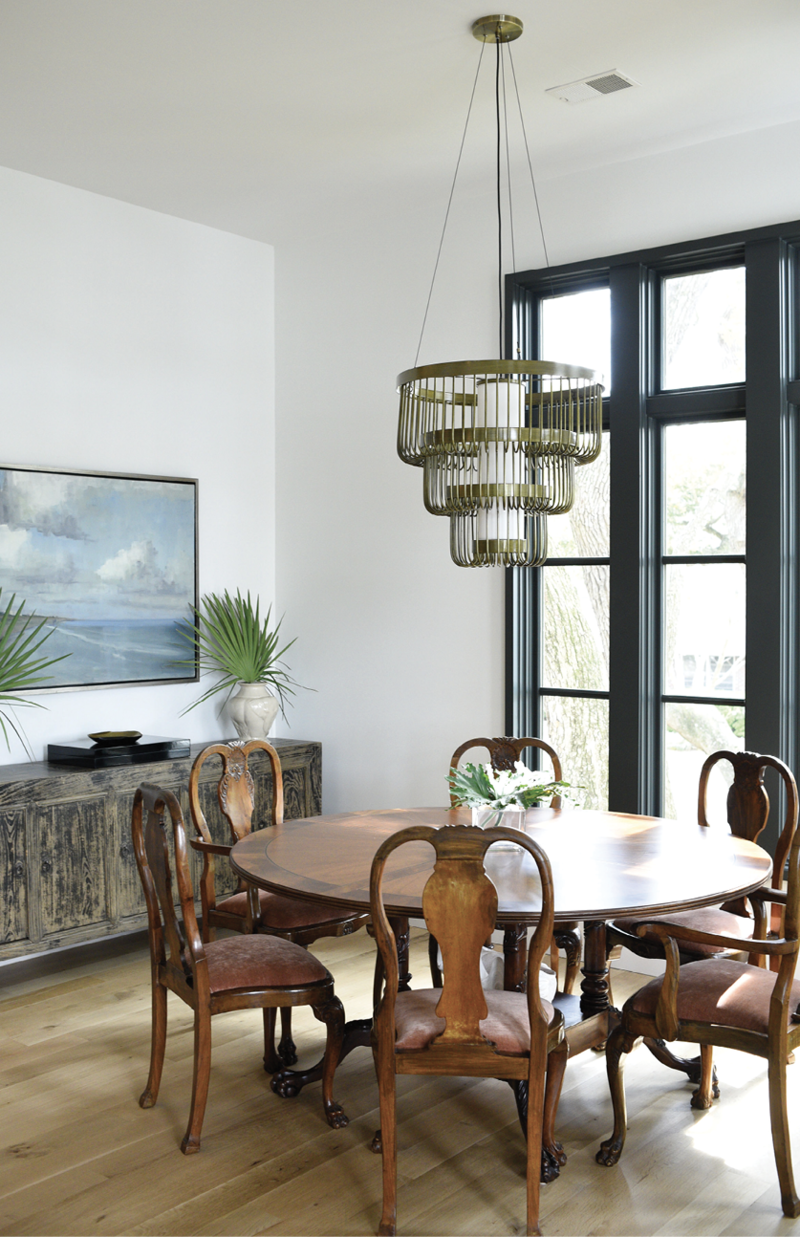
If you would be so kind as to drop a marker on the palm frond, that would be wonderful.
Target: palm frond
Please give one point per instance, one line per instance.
(229, 638)
(22, 666)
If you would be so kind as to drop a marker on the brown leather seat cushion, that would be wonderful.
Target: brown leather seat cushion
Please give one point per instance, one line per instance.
(284, 913)
(725, 992)
(507, 1026)
(260, 961)
(707, 919)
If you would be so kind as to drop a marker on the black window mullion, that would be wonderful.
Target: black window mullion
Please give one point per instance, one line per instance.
(771, 573)
(632, 773)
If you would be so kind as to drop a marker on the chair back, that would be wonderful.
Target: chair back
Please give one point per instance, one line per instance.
(748, 801)
(236, 791)
(504, 753)
(178, 948)
(459, 903)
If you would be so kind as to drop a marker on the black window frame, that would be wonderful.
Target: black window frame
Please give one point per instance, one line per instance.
(635, 413)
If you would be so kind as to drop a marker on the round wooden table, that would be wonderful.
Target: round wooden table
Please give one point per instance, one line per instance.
(604, 864)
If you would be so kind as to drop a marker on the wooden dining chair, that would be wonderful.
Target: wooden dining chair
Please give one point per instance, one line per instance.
(503, 755)
(248, 909)
(255, 972)
(460, 1029)
(725, 1002)
(747, 812)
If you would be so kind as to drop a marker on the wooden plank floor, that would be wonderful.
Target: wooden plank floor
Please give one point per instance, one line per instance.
(79, 1156)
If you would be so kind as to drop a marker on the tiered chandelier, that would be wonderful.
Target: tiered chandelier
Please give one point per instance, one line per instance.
(499, 440)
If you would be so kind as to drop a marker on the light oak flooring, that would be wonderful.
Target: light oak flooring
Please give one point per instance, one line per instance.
(78, 1155)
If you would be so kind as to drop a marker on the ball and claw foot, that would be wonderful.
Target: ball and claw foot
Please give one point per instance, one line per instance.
(286, 1087)
(287, 1051)
(553, 1159)
(609, 1152)
(557, 1153)
(336, 1117)
(699, 1101)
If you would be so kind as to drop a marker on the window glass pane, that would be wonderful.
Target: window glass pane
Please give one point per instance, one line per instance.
(704, 629)
(692, 732)
(704, 478)
(583, 532)
(576, 628)
(703, 322)
(578, 730)
(576, 329)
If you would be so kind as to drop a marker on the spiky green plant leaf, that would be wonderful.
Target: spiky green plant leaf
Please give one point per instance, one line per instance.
(231, 639)
(22, 665)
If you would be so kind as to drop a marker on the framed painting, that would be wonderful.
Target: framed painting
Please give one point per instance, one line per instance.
(109, 560)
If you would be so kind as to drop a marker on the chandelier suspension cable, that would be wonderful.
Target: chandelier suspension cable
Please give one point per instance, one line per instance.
(499, 202)
(530, 165)
(449, 204)
(508, 175)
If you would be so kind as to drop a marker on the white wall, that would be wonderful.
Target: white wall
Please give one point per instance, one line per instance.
(132, 341)
(404, 649)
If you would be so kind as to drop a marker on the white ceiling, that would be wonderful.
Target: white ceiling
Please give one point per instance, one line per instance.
(227, 112)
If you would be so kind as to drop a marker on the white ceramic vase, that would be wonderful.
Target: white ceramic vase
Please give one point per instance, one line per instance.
(253, 710)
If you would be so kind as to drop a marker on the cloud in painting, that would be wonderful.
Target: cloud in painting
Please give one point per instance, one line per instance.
(44, 502)
(137, 569)
(13, 543)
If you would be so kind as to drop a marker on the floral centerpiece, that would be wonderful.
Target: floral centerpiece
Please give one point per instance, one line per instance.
(495, 790)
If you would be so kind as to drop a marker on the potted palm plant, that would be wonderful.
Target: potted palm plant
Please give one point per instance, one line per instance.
(21, 664)
(230, 639)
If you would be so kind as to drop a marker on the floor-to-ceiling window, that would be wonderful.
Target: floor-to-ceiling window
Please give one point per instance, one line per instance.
(573, 656)
(648, 639)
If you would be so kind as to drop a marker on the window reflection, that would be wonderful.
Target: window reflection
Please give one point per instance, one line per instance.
(703, 329)
(577, 727)
(577, 328)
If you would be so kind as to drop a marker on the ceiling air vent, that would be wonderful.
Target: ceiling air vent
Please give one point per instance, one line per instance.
(590, 87)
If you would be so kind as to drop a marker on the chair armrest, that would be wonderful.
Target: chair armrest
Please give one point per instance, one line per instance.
(210, 848)
(765, 894)
(749, 946)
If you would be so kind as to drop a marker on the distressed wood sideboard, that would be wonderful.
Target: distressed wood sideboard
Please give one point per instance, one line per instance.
(67, 865)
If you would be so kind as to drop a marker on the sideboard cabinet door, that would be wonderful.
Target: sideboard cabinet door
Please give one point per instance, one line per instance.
(14, 876)
(71, 840)
(67, 868)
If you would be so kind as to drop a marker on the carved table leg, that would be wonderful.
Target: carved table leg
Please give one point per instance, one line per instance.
(553, 1155)
(594, 986)
(357, 1032)
(401, 936)
(515, 958)
(692, 1067)
(515, 961)
(570, 941)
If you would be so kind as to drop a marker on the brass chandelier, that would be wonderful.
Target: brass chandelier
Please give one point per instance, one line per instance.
(498, 441)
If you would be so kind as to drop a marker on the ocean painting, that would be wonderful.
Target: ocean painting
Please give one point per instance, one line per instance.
(110, 563)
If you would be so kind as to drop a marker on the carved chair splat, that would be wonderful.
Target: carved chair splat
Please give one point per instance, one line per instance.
(503, 754)
(747, 812)
(213, 977)
(249, 910)
(733, 1004)
(459, 1029)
